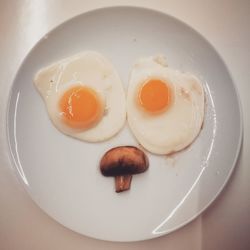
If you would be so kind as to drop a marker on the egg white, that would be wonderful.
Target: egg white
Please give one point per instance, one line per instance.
(89, 69)
(179, 125)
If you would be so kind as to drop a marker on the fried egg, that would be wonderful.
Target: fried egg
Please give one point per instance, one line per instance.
(165, 107)
(84, 96)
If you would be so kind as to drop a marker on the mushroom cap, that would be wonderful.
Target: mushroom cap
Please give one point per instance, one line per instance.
(123, 160)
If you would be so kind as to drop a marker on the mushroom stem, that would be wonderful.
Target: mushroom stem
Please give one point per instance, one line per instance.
(122, 183)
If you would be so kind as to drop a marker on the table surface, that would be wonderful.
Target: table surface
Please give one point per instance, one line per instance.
(226, 223)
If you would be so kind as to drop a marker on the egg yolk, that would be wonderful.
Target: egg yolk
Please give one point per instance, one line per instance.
(155, 96)
(81, 107)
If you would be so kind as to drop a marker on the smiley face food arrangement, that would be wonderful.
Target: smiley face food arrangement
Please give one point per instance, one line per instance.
(85, 99)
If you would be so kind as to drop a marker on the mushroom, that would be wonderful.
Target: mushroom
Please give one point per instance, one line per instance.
(123, 162)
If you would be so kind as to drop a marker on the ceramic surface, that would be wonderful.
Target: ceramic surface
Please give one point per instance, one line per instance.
(61, 173)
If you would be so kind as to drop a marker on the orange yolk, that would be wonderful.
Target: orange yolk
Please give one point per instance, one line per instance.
(155, 96)
(81, 107)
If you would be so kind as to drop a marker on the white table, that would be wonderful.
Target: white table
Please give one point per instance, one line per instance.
(226, 223)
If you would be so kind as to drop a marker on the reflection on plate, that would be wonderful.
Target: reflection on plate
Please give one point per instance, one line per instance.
(62, 174)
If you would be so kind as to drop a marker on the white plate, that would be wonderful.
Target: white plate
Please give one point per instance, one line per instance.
(61, 173)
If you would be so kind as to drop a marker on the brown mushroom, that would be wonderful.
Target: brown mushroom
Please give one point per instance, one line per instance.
(121, 163)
